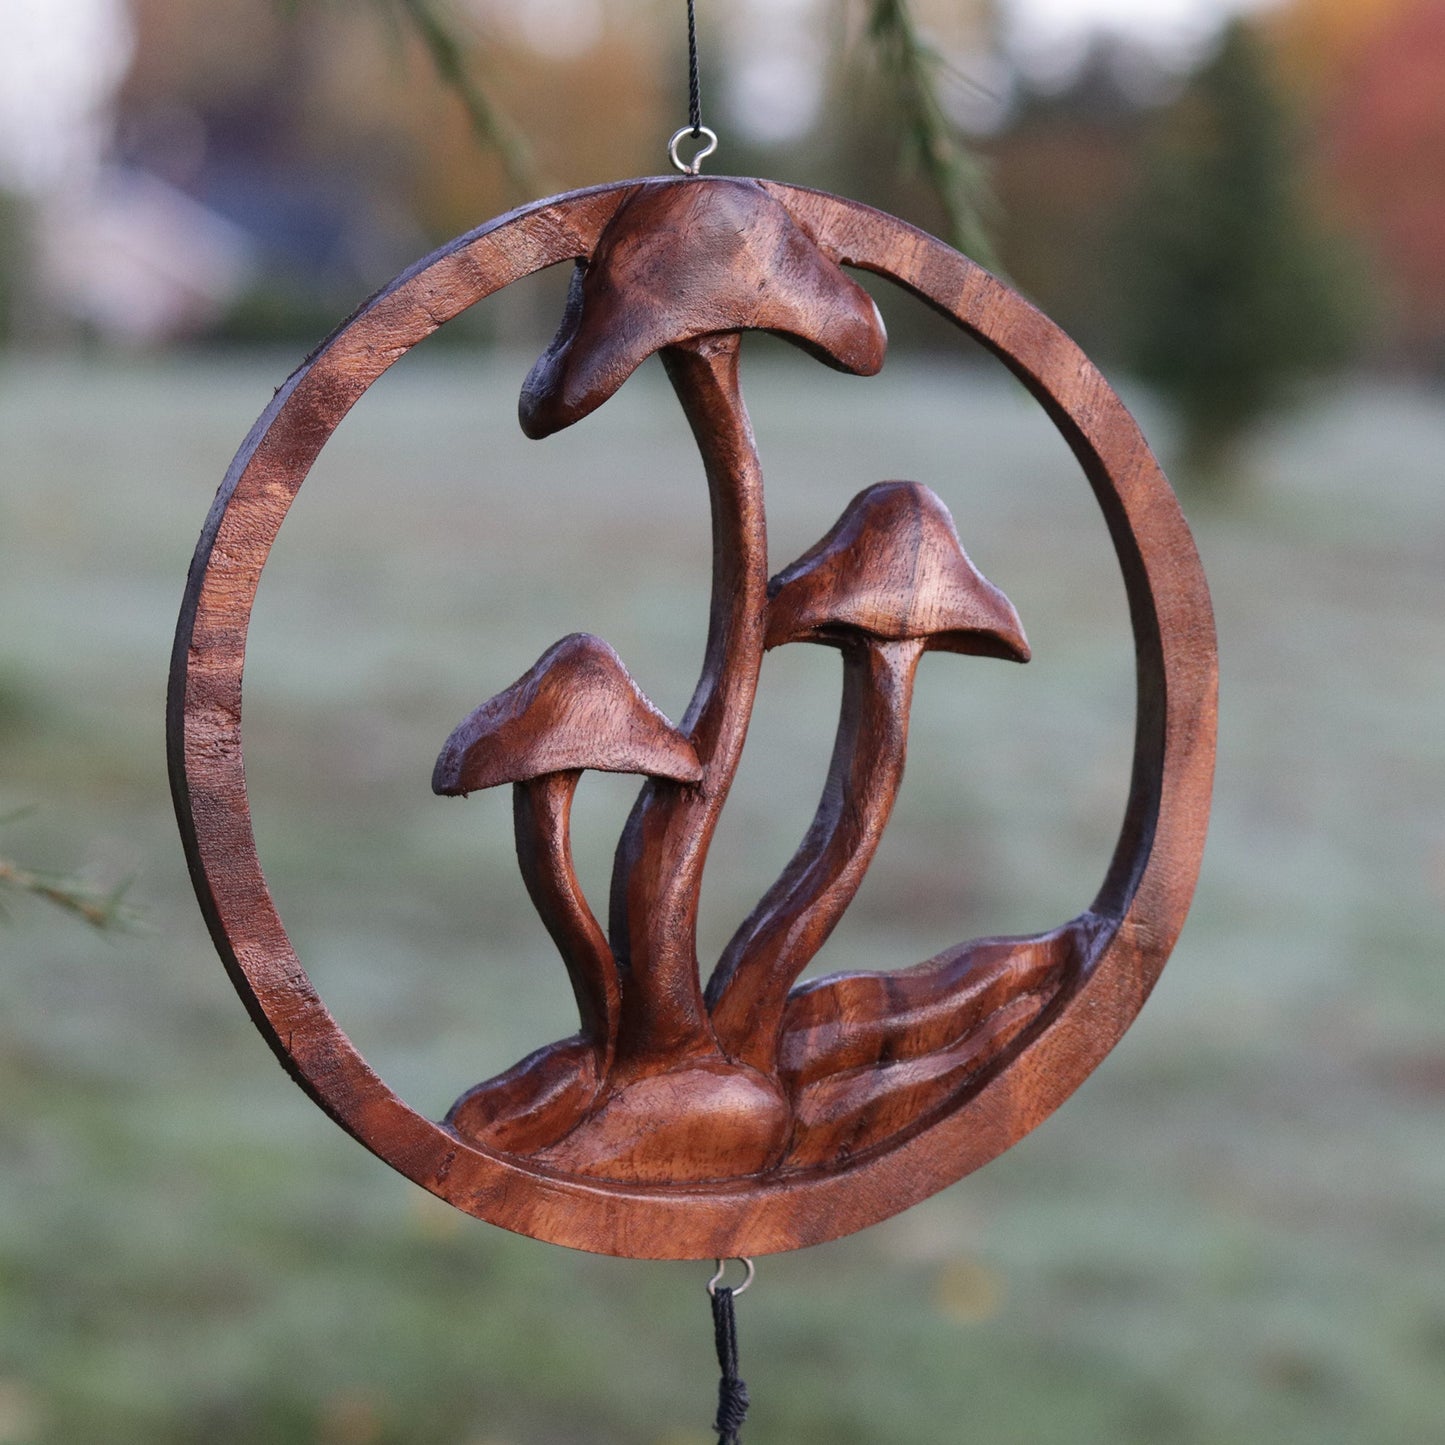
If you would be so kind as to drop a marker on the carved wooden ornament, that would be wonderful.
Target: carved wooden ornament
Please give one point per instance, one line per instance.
(747, 1115)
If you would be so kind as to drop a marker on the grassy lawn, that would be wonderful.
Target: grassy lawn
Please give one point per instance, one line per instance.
(1234, 1232)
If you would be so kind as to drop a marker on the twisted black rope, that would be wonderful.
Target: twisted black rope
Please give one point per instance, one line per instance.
(694, 84)
(732, 1394)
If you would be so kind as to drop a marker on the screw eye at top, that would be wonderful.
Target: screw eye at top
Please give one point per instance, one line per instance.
(694, 166)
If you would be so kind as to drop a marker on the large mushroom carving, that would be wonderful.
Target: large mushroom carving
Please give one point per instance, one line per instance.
(682, 269)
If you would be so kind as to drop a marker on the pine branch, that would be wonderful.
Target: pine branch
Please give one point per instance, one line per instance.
(447, 50)
(913, 69)
(105, 912)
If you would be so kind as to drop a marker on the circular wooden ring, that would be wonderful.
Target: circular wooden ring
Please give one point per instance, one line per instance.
(1138, 914)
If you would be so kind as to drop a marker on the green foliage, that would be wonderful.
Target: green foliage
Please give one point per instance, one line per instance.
(913, 70)
(1234, 294)
(449, 50)
(103, 911)
(910, 67)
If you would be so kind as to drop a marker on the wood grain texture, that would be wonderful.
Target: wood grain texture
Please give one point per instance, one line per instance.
(686, 262)
(754, 1116)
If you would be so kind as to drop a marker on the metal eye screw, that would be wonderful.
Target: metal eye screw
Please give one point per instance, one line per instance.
(722, 1264)
(693, 167)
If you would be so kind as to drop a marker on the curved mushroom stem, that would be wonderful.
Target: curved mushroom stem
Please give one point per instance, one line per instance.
(748, 991)
(542, 811)
(658, 871)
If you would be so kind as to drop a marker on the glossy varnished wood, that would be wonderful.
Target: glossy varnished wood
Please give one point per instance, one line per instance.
(577, 708)
(889, 582)
(750, 1116)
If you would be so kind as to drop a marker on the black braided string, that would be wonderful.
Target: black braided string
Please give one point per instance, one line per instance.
(732, 1394)
(694, 84)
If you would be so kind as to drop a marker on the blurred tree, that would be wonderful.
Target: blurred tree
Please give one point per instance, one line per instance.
(912, 70)
(1370, 75)
(1316, 41)
(1065, 166)
(1234, 293)
(1384, 137)
(910, 65)
(11, 260)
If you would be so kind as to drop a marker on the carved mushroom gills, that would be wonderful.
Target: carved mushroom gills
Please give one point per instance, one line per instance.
(888, 583)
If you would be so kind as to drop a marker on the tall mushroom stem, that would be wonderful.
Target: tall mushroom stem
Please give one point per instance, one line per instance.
(542, 813)
(658, 871)
(748, 992)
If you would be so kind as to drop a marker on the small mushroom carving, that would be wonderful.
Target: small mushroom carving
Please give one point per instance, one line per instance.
(888, 583)
(576, 708)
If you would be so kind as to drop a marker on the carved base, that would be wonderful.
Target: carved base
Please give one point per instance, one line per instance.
(865, 1056)
(702, 1122)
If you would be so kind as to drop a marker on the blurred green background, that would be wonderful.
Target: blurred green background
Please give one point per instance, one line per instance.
(1232, 1232)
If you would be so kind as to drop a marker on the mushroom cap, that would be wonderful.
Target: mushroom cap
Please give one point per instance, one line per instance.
(690, 258)
(892, 568)
(577, 707)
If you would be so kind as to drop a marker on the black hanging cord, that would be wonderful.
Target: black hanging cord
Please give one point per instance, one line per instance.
(694, 84)
(732, 1394)
(694, 127)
